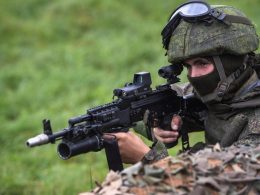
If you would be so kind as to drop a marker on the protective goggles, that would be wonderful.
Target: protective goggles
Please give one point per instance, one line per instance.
(196, 11)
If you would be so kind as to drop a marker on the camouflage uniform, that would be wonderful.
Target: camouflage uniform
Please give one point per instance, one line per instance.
(158, 150)
(241, 126)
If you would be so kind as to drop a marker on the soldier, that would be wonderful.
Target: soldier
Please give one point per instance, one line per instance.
(216, 44)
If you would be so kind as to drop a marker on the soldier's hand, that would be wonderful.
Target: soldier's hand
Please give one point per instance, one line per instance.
(132, 148)
(169, 135)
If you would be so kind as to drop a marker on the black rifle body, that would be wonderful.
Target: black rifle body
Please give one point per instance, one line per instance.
(135, 101)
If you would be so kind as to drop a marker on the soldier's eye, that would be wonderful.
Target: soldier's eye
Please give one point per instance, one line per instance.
(203, 64)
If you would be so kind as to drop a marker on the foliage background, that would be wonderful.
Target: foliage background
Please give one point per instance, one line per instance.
(60, 57)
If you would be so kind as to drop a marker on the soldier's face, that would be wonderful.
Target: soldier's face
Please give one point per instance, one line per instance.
(198, 66)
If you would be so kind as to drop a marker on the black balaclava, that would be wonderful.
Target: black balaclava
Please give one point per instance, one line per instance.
(207, 84)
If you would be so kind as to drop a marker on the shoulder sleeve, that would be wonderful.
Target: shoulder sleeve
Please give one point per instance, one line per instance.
(183, 89)
(158, 151)
(251, 133)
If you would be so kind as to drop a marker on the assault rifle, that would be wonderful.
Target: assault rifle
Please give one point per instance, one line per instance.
(134, 101)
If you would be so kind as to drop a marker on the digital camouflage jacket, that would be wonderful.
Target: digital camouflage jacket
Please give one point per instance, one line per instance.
(236, 122)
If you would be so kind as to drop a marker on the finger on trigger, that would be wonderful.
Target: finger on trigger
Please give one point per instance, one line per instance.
(165, 134)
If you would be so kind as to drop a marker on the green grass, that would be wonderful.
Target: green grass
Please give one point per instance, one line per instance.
(58, 58)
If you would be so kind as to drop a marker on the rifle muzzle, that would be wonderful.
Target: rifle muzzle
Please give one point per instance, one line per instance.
(38, 140)
(68, 149)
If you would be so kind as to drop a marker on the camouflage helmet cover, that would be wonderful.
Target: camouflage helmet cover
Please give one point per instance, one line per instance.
(199, 39)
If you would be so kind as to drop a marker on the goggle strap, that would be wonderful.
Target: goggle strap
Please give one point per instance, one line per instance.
(168, 30)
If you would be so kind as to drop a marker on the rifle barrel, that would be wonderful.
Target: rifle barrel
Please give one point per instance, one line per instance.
(43, 138)
(38, 140)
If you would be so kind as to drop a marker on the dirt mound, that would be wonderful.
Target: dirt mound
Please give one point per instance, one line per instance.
(214, 171)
